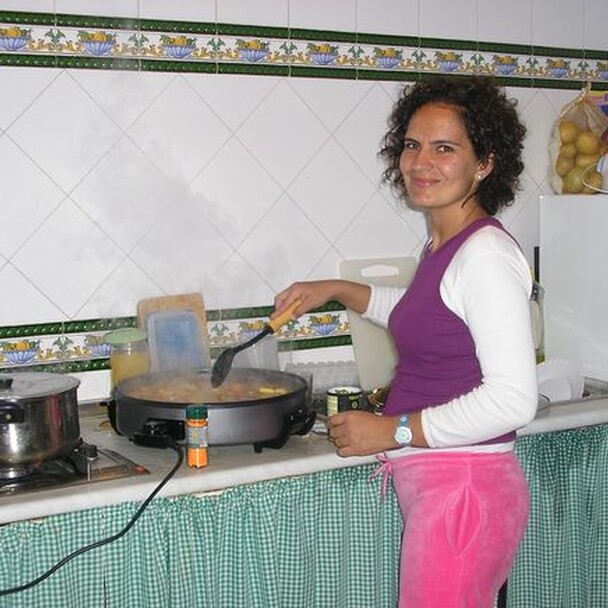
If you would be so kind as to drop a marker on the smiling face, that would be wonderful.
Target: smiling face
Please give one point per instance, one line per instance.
(438, 163)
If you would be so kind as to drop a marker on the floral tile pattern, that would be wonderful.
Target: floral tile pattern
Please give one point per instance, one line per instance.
(209, 47)
(79, 349)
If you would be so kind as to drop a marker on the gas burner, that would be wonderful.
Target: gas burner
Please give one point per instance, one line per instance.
(16, 471)
(85, 464)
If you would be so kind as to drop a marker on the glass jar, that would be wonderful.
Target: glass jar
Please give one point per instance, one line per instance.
(129, 355)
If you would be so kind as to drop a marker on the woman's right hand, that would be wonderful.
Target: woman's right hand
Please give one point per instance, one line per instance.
(316, 293)
(311, 293)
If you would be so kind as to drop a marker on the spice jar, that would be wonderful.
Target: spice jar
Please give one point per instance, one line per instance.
(196, 436)
(128, 353)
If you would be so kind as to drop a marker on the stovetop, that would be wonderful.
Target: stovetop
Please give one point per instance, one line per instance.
(84, 465)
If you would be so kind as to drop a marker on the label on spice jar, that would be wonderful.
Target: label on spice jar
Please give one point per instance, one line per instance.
(344, 398)
(197, 436)
(197, 440)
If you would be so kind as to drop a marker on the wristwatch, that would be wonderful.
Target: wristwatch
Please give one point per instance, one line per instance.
(403, 433)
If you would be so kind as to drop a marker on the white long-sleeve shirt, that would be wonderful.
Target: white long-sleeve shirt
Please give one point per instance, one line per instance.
(487, 284)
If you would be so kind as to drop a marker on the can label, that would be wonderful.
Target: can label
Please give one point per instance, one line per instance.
(343, 399)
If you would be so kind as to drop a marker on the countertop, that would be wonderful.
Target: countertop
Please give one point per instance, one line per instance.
(231, 465)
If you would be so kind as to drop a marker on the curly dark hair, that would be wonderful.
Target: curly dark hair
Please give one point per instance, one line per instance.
(491, 122)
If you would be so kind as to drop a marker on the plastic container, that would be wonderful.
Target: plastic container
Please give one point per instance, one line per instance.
(175, 341)
(128, 353)
(263, 355)
(197, 436)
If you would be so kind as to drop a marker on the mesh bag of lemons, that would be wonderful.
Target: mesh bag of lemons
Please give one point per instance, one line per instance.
(579, 139)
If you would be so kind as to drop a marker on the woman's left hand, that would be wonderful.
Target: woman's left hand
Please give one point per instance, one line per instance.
(356, 433)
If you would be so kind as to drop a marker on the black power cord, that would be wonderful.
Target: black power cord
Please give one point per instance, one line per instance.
(166, 442)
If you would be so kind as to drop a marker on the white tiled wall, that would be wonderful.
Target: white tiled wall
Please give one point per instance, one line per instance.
(123, 185)
(561, 23)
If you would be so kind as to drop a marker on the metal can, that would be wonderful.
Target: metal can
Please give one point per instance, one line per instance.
(344, 398)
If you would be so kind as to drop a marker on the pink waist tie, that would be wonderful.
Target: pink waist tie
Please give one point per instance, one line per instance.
(385, 468)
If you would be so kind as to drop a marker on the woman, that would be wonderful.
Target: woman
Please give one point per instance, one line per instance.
(465, 378)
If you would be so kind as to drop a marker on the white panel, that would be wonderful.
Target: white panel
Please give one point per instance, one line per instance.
(29, 197)
(262, 12)
(64, 132)
(557, 23)
(345, 190)
(114, 8)
(574, 273)
(505, 21)
(442, 19)
(595, 20)
(184, 10)
(400, 17)
(235, 206)
(323, 15)
(28, 5)
(24, 86)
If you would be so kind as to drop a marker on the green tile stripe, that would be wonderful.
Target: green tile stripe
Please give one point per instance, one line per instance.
(370, 56)
(66, 327)
(64, 367)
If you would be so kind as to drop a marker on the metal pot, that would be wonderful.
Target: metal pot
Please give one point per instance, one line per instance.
(38, 417)
(255, 406)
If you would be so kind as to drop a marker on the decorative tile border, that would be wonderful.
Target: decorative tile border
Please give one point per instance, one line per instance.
(33, 39)
(78, 346)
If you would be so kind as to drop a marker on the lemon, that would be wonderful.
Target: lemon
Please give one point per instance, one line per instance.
(568, 131)
(568, 150)
(587, 142)
(573, 181)
(586, 160)
(563, 164)
(594, 179)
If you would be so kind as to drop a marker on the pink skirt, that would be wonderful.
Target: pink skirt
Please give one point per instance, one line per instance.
(464, 516)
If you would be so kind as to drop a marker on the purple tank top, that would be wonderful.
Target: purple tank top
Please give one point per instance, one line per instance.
(436, 353)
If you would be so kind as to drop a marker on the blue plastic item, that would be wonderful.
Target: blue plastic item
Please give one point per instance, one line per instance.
(175, 341)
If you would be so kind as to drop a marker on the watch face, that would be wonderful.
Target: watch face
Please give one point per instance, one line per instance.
(403, 435)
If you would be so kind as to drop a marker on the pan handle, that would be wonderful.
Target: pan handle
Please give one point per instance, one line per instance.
(284, 317)
(298, 421)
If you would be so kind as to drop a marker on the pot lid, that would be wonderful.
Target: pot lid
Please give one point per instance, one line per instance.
(29, 385)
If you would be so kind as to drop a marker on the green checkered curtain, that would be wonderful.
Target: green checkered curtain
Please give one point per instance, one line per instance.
(563, 560)
(326, 540)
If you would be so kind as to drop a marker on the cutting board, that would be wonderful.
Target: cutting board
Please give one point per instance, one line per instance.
(178, 337)
(375, 355)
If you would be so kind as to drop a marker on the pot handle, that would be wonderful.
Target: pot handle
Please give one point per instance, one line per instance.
(11, 413)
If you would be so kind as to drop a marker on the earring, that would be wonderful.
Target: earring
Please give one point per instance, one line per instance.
(478, 176)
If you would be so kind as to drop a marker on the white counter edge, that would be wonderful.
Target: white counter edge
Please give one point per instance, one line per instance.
(235, 465)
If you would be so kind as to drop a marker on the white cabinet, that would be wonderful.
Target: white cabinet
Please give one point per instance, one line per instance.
(574, 273)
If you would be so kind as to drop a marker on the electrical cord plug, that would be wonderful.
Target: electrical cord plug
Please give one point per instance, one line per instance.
(154, 434)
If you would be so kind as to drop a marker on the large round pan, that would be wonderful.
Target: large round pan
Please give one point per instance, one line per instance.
(251, 406)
